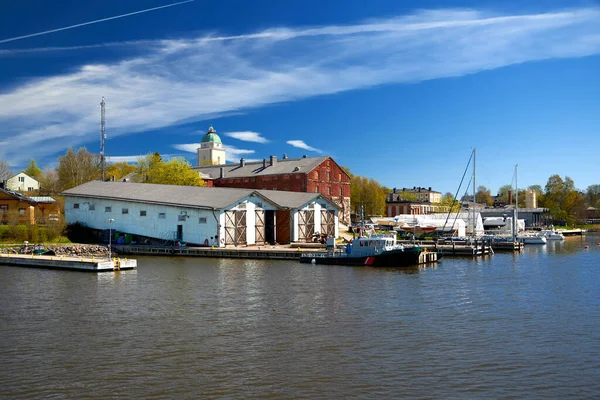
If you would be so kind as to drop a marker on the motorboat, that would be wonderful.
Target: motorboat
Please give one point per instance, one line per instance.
(375, 251)
(552, 234)
(532, 239)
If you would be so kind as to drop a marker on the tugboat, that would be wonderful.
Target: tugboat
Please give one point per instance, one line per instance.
(374, 251)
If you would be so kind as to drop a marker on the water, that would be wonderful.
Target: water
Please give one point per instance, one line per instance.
(509, 326)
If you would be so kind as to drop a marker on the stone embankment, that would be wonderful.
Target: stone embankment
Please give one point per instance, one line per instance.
(84, 250)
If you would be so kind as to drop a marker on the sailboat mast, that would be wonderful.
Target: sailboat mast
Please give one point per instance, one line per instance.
(474, 169)
(517, 198)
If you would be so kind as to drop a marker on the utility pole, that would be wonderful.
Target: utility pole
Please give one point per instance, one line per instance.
(102, 136)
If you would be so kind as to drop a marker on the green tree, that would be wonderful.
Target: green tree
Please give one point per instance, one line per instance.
(33, 170)
(503, 193)
(176, 171)
(76, 168)
(563, 200)
(536, 188)
(593, 194)
(449, 201)
(483, 196)
(369, 194)
(145, 165)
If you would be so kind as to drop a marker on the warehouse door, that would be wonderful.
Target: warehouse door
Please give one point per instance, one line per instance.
(306, 225)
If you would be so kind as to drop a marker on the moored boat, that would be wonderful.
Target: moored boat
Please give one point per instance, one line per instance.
(375, 251)
(552, 235)
(532, 239)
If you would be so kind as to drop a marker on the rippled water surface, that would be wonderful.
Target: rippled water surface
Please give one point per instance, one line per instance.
(508, 326)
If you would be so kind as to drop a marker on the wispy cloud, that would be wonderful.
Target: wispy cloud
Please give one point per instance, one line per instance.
(301, 145)
(248, 136)
(166, 82)
(128, 159)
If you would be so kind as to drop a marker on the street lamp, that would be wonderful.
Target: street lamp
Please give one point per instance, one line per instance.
(110, 221)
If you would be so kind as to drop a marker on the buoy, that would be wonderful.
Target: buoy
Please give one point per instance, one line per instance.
(598, 243)
(313, 261)
(587, 247)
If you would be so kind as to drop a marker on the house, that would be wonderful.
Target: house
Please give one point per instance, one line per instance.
(202, 215)
(23, 183)
(307, 174)
(20, 209)
(416, 201)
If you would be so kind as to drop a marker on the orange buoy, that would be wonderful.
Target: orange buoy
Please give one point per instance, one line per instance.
(587, 247)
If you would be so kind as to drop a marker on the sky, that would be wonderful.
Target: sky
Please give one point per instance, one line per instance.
(401, 92)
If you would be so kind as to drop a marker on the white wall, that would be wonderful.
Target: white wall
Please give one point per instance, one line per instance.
(14, 183)
(150, 225)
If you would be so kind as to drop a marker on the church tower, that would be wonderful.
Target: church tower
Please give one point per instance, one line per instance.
(211, 151)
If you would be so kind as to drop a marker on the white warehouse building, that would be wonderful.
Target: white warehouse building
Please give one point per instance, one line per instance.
(201, 215)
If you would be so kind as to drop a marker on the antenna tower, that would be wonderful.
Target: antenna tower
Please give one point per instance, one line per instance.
(102, 136)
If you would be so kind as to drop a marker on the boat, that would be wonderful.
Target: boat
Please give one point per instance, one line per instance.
(552, 234)
(532, 239)
(373, 251)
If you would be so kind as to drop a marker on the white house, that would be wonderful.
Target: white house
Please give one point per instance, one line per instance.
(22, 182)
(201, 215)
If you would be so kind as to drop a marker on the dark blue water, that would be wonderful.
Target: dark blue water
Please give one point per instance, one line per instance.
(508, 326)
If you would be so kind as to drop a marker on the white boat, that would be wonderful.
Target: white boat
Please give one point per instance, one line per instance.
(552, 234)
(531, 239)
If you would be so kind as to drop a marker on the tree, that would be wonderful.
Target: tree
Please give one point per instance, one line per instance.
(145, 165)
(565, 203)
(49, 182)
(449, 201)
(76, 168)
(593, 194)
(119, 170)
(483, 196)
(33, 170)
(369, 194)
(536, 188)
(5, 171)
(503, 193)
(176, 171)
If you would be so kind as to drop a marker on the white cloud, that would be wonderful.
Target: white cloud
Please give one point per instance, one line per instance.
(232, 154)
(166, 82)
(301, 145)
(247, 136)
(129, 159)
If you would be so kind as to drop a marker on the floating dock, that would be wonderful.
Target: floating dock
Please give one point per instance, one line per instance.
(68, 263)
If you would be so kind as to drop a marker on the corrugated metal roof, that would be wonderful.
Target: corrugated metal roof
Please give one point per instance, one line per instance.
(42, 199)
(188, 196)
(283, 166)
(18, 195)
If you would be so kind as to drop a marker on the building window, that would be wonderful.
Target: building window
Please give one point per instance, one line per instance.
(202, 220)
(329, 190)
(316, 174)
(181, 217)
(259, 205)
(107, 209)
(21, 212)
(76, 205)
(92, 207)
(125, 211)
(316, 189)
(22, 179)
(340, 177)
(3, 209)
(328, 175)
(142, 213)
(29, 189)
(162, 215)
(341, 192)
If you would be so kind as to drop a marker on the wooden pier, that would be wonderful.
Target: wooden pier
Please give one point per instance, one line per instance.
(68, 263)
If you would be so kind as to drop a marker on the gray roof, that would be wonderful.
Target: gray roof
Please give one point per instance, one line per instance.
(18, 196)
(187, 196)
(283, 166)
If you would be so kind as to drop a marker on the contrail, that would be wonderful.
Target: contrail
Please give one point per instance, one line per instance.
(91, 22)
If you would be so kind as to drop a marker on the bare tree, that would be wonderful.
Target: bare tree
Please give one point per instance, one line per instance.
(5, 171)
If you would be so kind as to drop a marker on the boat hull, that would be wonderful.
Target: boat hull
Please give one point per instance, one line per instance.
(389, 259)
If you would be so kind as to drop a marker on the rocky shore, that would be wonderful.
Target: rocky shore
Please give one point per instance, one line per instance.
(64, 249)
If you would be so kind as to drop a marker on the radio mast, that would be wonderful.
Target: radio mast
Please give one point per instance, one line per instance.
(102, 136)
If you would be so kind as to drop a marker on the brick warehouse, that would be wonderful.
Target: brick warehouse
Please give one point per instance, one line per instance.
(311, 175)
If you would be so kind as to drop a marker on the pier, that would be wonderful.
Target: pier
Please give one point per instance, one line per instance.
(68, 263)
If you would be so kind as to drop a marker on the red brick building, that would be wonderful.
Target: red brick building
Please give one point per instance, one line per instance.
(313, 175)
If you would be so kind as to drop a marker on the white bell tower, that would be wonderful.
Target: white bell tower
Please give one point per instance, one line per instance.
(211, 151)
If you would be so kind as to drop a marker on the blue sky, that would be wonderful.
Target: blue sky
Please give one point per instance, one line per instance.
(395, 92)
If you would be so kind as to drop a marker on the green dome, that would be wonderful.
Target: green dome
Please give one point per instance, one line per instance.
(211, 136)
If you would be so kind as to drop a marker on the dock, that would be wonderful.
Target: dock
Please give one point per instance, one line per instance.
(572, 232)
(68, 263)
(507, 246)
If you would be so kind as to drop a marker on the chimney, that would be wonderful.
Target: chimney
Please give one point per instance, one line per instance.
(304, 156)
(284, 156)
(222, 172)
(273, 160)
(242, 162)
(510, 197)
(394, 190)
(264, 163)
(2, 184)
(430, 188)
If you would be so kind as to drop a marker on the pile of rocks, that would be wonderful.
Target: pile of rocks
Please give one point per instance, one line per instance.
(85, 250)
